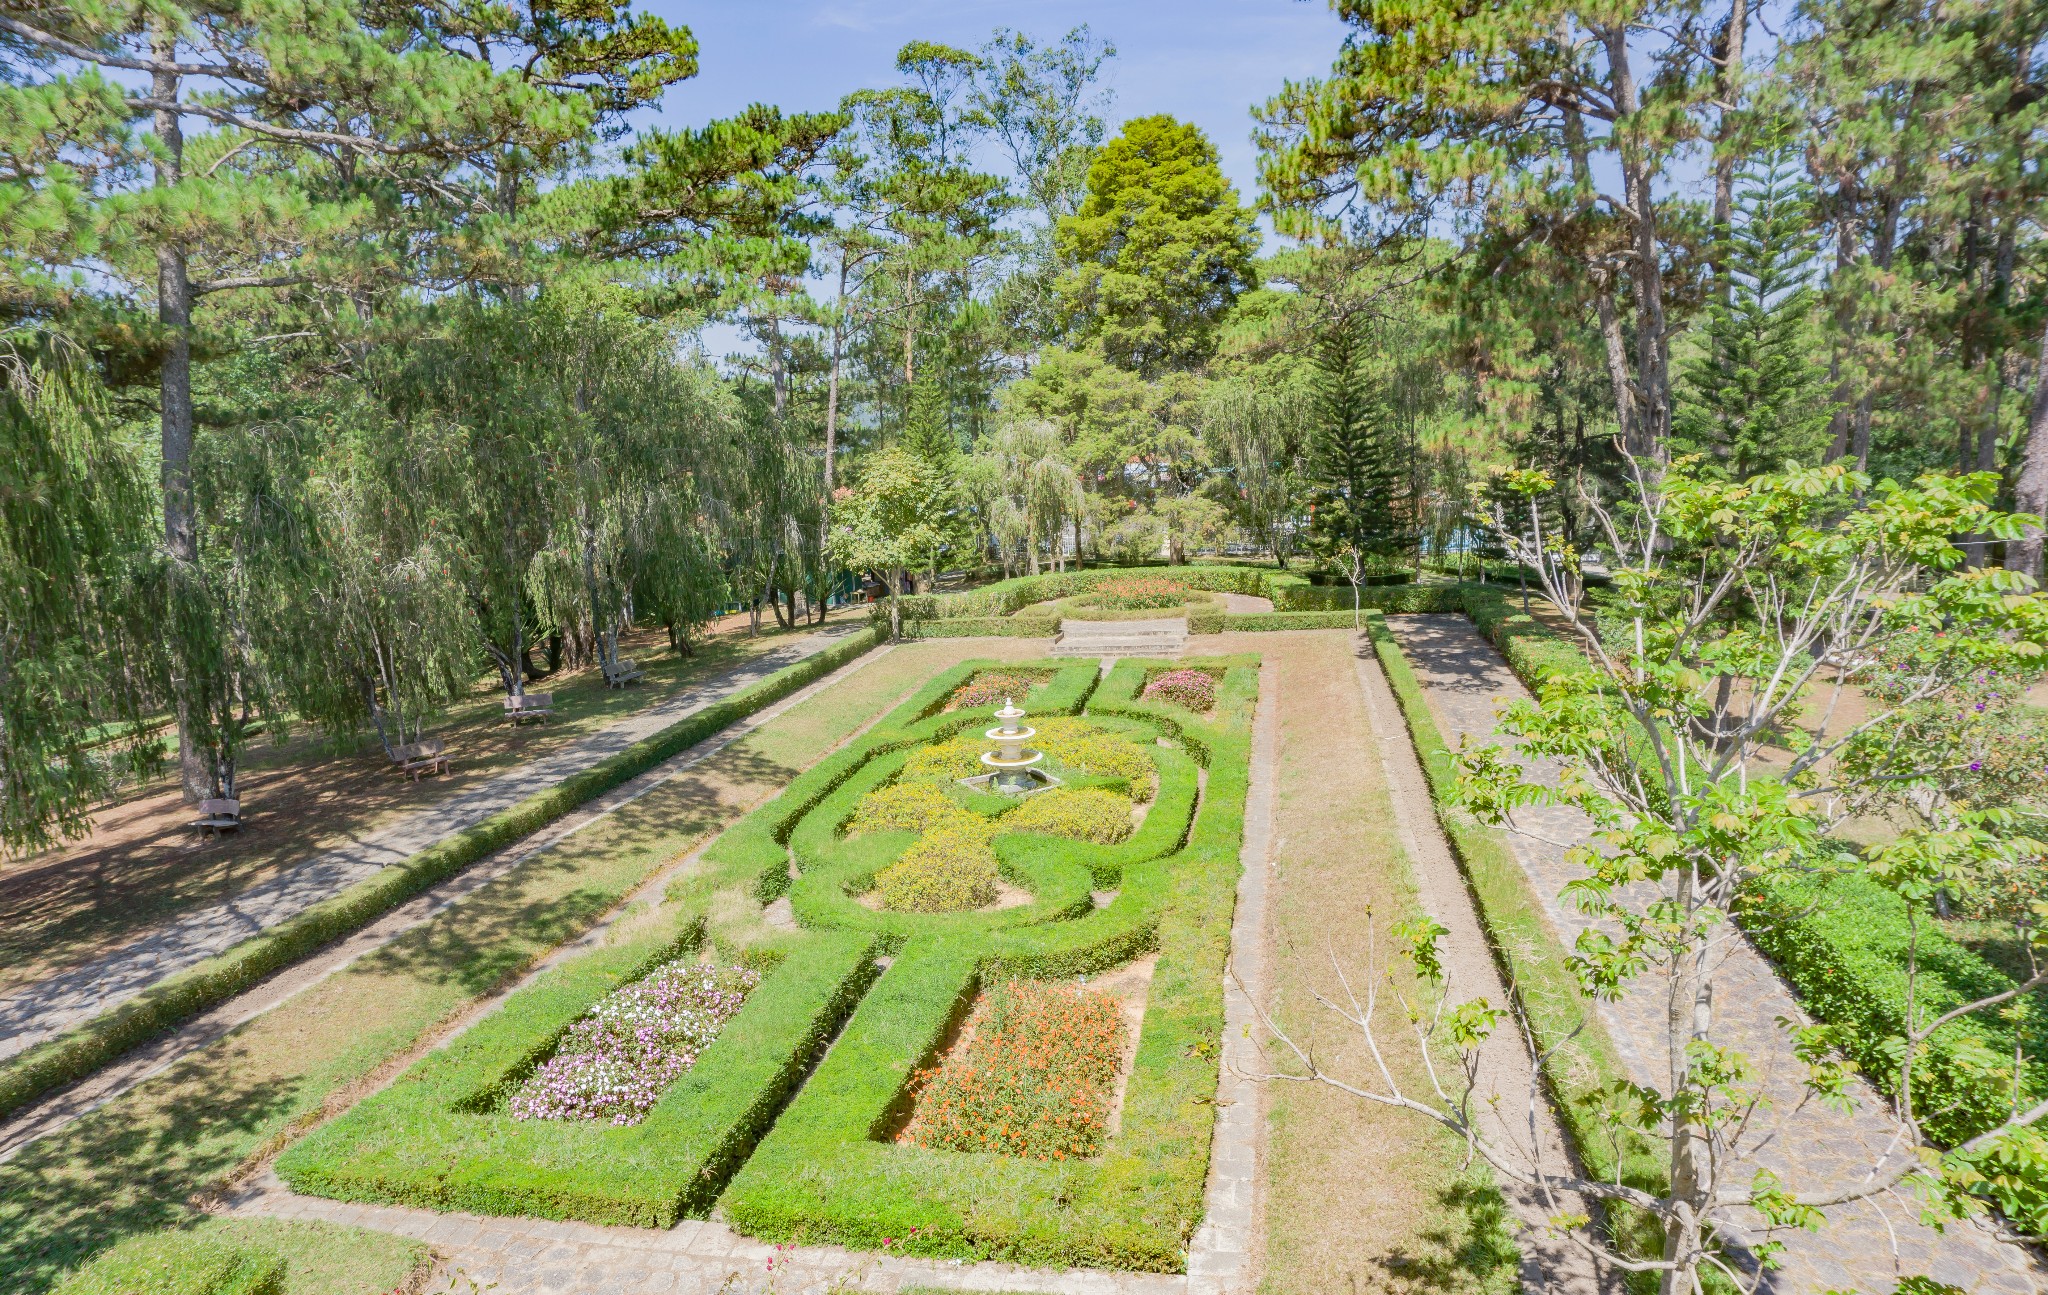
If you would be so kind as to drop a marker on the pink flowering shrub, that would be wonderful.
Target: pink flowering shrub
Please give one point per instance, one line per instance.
(990, 687)
(1193, 690)
(618, 1058)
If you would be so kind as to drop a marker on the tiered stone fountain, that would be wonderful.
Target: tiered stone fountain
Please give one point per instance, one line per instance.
(1012, 766)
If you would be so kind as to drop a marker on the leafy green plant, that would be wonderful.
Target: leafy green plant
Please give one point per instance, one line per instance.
(948, 869)
(1076, 813)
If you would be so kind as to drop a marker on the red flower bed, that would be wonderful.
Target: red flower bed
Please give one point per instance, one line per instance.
(1035, 1080)
(1193, 689)
(990, 687)
(1138, 593)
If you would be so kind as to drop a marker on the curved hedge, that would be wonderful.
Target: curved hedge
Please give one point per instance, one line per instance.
(180, 1263)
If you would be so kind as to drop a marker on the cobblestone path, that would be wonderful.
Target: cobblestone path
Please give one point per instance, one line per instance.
(72, 996)
(1863, 1247)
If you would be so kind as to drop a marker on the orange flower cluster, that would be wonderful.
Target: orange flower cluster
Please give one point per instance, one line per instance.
(1035, 1081)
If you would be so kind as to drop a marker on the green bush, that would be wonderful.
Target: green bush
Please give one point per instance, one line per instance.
(1076, 813)
(947, 870)
(1843, 945)
(168, 1004)
(180, 1263)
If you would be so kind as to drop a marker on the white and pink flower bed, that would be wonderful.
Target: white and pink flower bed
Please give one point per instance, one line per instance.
(618, 1058)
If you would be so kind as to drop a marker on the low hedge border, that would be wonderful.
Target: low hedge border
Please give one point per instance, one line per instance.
(80, 1051)
(440, 1137)
(179, 1263)
(1531, 957)
(822, 1174)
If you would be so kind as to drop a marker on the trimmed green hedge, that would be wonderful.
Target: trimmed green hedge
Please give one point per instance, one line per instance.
(165, 1006)
(828, 1171)
(179, 1263)
(1843, 944)
(441, 1137)
(1531, 957)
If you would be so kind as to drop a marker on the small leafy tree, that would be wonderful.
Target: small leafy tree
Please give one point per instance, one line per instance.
(894, 521)
(1814, 583)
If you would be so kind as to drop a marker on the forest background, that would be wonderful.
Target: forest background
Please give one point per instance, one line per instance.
(353, 351)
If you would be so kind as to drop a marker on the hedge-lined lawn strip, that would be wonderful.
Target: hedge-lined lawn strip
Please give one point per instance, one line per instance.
(1355, 1194)
(131, 1165)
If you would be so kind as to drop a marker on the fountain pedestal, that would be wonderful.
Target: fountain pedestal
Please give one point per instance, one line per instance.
(1012, 765)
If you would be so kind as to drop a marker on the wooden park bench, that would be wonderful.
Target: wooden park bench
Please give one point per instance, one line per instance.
(534, 705)
(621, 673)
(217, 816)
(415, 758)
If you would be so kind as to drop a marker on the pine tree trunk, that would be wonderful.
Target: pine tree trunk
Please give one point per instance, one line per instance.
(2030, 491)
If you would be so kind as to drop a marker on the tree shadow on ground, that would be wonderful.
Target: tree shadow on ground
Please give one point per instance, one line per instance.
(64, 1199)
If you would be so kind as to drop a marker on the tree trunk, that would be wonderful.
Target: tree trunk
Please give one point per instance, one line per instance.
(895, 604)
(1653, 421)
(174, 312)
(606, 661)
(2030, 490)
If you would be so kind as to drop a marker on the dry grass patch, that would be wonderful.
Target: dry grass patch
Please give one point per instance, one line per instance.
(1356, 1198)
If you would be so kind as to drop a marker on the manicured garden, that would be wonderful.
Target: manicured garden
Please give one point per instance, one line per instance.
(914, 1057)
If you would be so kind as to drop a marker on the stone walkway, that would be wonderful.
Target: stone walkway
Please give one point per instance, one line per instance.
(1867, 1246)
(75, 995)
(519, 1256)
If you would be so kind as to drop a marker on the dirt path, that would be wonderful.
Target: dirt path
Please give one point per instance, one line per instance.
(1868, 1246)
(67, 998)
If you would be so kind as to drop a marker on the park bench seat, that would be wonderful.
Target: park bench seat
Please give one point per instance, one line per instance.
(621, 674)
(218, 815)
(534, 705)
(415, 758)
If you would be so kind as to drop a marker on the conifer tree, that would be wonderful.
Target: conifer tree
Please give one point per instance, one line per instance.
(1757, 396)
(1358, 472)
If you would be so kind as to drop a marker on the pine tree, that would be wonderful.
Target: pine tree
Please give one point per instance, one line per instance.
(1757, 395)
(1361, 495)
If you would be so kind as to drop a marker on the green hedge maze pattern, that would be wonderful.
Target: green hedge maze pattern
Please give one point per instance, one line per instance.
(787, 1120)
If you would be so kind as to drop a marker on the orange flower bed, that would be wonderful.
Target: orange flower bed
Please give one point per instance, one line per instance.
(1035, 1080)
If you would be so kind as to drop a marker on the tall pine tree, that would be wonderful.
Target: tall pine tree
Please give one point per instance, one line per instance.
(1757, 394)
(1361, 494)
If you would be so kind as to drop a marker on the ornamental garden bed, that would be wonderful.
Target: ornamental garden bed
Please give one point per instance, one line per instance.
(788, 1153)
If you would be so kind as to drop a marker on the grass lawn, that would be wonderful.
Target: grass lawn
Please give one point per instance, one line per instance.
(1356, 1197)
(137, 1163)
(143, 865)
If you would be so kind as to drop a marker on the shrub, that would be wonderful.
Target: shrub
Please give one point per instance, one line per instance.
(180, 1263)
(947, 870)
(1076, 813)
(904, 807)
(1139, 593)
(1193, 690)
(1035, 1078)
(618, 1060)
(992, 687)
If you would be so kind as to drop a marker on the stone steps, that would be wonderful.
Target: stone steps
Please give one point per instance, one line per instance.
(1155, 638)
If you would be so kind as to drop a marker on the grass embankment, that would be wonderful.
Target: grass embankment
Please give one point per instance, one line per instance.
(143, 865)
(1530, 956)
(1358, 1197)
(134, 1165)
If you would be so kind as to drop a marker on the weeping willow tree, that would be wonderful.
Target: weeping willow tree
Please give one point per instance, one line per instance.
(1030, 491)
(75, 648)
(1258, 422)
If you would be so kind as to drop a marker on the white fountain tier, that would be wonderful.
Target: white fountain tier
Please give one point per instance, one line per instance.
(1012, 766)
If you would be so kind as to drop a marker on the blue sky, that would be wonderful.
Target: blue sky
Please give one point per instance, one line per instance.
(1206, 61)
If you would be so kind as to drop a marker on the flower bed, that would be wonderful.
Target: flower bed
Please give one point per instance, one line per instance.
(1193, 690)
(1075, 813)
(1035, 1078)
(1138, 593)
(947, 870)
(993, 687)
(617, 1060)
